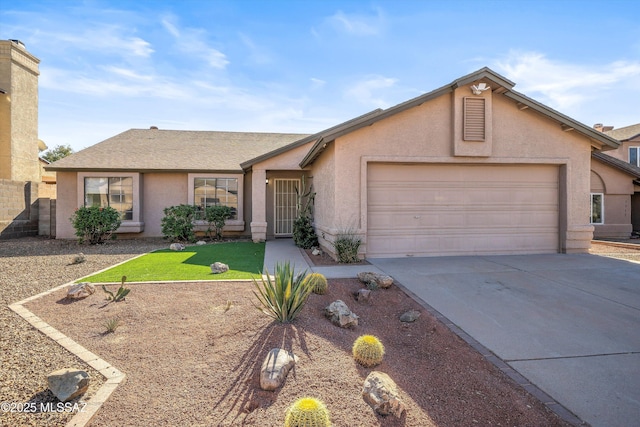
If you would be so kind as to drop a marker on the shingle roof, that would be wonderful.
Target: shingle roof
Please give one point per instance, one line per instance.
(175, 150)
(618, 164)
(626, 133)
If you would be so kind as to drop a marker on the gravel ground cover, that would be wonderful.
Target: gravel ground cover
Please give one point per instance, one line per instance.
(29, 266)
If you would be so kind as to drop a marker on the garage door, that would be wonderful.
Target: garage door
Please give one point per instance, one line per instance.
(440, 209)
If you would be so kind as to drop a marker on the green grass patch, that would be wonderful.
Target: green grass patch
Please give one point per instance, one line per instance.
(245, 261)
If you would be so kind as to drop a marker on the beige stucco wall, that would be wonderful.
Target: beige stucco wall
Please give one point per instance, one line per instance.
(617, 188)
(18, 113)
(157, 191)
(262, 203)
(66, 204)
(622, 152)
(425, 134)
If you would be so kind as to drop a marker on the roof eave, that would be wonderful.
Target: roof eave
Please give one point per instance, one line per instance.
(598, 139)
(116, 170)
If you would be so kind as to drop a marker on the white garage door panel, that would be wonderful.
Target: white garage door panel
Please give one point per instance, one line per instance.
(459, 210)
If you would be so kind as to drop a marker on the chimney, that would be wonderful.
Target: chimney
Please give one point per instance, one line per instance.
(598, 127)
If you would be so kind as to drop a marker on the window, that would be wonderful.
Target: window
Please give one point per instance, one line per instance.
(216, 191)
(634, 156)
(597, 208)
(116, 192)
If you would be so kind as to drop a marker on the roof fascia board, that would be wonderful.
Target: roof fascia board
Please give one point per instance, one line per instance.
(229, 171)
(329, 136)
(628, 169)
(592, 134)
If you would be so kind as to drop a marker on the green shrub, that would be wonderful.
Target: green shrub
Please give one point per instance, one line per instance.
(177, 223)
(346, 246)
(304, 236)
(283, 296)
(368, 350)
(216, 216)
(95, 224)
(317, 282)
(307, 412)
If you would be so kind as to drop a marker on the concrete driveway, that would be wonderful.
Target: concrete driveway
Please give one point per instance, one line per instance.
(570, 324)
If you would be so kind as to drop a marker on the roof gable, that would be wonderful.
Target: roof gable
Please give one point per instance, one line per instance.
(499, 85)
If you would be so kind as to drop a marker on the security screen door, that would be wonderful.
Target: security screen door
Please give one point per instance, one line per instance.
(286, 209)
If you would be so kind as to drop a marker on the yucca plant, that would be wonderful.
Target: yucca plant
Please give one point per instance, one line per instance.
(283, 296)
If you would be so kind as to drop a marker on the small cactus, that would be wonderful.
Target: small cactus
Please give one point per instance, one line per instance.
(307, 412)
(318, 283)
(368, 351)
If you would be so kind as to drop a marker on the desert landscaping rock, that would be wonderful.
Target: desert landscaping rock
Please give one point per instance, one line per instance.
(381, 393)
(362, 295)
(410, 316)
(316, 252)
(340, 314)
(68, 383)
(177, 247)
(80, 290)
(78, 259)
(201, 243)
(275, 368)
(380, 280)
(219, 267)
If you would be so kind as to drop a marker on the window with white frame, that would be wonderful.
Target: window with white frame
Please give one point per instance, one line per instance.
(116, 192)
(597, 208)
(216, 191)
(634, 156)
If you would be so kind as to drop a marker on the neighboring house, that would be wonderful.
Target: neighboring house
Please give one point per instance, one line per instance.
(471, 168)
(19, 165)
(615, 185)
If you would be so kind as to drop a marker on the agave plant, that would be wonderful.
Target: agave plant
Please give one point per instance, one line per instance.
(283, 296)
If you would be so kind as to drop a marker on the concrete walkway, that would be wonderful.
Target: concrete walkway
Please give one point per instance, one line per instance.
(569, 324)
(280, 250)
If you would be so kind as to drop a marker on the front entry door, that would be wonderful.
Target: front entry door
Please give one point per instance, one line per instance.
(286, 209)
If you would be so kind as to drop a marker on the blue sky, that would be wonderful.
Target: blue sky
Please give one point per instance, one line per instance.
(303, 66)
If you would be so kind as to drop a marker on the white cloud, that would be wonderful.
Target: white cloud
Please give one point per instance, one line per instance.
(317, 83)
(565, 85)
(367, 91)
(359, 25)
(193, 41)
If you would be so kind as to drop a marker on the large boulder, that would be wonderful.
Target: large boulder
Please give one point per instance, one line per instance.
(68, 383)
(381, 393)
(275, 368)
(219, 267)
(80, 290)
(339, 314)
(377, 279)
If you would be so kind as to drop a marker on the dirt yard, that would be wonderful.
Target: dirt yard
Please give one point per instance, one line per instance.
(192, 354)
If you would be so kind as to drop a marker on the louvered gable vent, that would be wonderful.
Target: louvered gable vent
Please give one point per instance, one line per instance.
(474, 119)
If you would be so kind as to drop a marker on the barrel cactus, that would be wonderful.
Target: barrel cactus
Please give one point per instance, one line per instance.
(368, 351)
(307, 412)
(318, 283)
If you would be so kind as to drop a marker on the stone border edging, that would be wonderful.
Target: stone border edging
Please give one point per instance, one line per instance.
(553, 405)
(112, 375)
